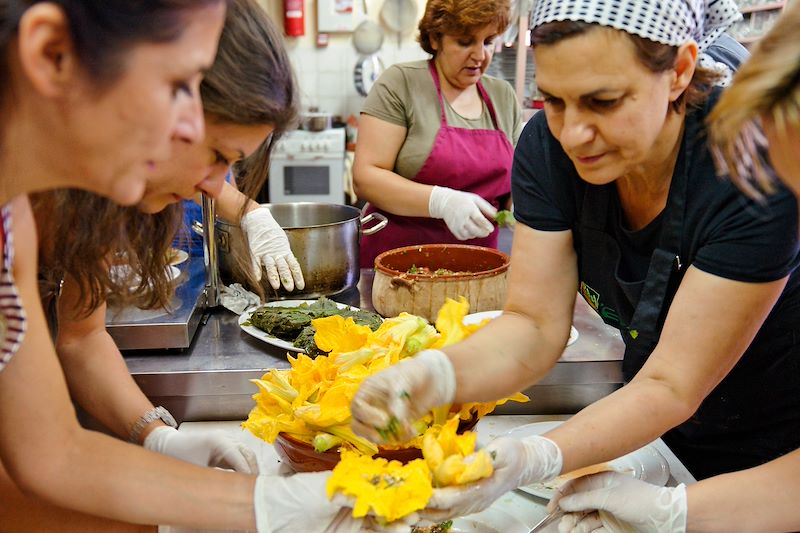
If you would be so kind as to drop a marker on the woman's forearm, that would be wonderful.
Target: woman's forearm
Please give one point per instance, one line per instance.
(229, 203)
(49, 456)
(129, 483)
(505, 367)
(391, 192)
(96, 373)
(99, 381)
(759, 499)
(620, 423)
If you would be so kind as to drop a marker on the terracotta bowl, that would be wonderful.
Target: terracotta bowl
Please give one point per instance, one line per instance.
(302, 457)
(478, 274)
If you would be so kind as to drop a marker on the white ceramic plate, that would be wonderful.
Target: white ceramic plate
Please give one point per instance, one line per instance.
(475, 318)
(120, 272)
(275, 341)
(177, 256)
(174, 272)
(492, 520)
(646, 463)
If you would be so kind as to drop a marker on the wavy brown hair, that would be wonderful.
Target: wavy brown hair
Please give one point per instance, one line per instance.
(82, 234)
(657, 57)
(767, 86)
(460, 17)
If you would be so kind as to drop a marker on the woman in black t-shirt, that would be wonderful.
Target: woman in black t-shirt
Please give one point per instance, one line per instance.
(767, 90)
(617, 198)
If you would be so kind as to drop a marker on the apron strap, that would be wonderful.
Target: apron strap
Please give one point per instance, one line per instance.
(437, 83)
(666, 259)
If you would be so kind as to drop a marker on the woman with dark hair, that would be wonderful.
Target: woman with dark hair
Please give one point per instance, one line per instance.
(436, 137)
(760, 109)
(93, 93)
(259, 108)
(617, 199)
(82, 233)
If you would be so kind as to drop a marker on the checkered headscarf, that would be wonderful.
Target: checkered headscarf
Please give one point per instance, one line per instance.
(671, 22)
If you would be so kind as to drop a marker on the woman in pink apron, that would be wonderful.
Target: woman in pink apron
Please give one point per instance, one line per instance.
(435, 138)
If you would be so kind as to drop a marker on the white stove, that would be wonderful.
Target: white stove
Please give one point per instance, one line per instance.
(308, 166)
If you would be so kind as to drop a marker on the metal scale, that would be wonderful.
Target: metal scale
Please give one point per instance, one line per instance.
(198, 290)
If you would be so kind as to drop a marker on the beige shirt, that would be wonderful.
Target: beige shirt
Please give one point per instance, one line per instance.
(406, 95)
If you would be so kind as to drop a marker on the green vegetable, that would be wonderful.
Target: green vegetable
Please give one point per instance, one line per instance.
(444, 527)
(294, 323)
(413, 269)
(325, 441)
(504, 218)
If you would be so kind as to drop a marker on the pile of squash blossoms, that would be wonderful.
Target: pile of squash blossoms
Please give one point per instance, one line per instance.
(311, 400)
(391, 490)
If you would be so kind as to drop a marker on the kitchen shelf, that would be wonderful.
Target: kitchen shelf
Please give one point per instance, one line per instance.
(749, 39)
(763, 7)
(757, 21)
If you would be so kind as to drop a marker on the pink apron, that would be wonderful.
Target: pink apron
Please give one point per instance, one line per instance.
(477, 161)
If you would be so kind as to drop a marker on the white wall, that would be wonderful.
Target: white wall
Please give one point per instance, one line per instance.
(325, 75)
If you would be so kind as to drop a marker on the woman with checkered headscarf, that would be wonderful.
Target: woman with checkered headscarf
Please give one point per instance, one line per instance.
(616, 197)
(765, 94)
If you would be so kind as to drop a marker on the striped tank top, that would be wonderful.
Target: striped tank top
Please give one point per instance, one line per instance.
(12, 314)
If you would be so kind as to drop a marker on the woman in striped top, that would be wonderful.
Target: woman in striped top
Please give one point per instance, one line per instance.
(12, 314)
(58, 476)
(92, 94)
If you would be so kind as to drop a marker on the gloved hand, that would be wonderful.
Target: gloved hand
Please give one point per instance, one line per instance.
(389, 402)
(629, 504)
(212, 448)
(299, 503)
(517, 462)
(270, 247)
(465, 213)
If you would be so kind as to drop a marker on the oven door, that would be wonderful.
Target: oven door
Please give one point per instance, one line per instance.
(306, 180)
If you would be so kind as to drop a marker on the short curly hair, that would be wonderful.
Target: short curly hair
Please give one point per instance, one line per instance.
(460, 17)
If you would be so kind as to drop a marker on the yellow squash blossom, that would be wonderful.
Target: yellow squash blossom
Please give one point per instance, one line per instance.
(445, 451)
(389, 489)
(337, 334)
(311, 400)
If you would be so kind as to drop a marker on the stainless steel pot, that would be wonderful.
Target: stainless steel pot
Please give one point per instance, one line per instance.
(316, 121)
(325, 239)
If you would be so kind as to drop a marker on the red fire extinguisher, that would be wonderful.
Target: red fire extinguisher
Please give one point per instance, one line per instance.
(293, 18)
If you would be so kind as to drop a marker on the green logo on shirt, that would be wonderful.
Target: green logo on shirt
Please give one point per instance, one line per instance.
(609, 315)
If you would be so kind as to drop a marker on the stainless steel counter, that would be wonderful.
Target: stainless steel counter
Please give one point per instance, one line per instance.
(210, 379)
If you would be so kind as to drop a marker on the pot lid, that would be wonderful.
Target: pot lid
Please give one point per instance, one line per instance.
(399, 15)
(367, 37)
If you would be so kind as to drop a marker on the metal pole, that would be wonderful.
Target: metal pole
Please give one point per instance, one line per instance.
(210, 258)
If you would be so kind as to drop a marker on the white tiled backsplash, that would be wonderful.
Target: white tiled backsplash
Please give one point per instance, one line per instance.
(325, 75)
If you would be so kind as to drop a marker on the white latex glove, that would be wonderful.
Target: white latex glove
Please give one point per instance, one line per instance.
(270, 247)
(465, 213)
(298, 504)
(625, 504)
(236, 298)
(517, 462)
(389, 402)
(212, 448)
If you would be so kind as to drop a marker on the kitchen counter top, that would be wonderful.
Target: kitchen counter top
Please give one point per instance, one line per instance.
(210, 379)
(524, 508)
